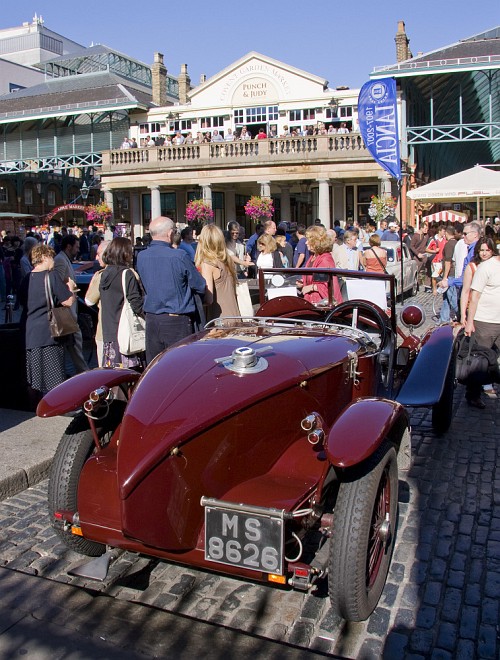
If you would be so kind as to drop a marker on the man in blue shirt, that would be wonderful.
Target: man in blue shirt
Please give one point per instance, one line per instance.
(170, 281)
(391, 233)
(301, 253)
(188, 244)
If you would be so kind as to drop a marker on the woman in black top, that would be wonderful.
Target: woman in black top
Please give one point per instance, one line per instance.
(44, 353)
(118, 257)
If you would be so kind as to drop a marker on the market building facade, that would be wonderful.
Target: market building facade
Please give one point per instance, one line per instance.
(327, 175)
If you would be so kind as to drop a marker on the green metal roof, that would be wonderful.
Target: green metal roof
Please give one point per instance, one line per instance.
(452, 103)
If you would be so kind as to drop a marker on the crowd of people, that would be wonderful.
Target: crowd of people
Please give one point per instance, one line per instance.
(178, 281)
(242, 133)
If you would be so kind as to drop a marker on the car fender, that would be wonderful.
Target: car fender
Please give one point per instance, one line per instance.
(362, 427)
(73, 393)
(425, 382)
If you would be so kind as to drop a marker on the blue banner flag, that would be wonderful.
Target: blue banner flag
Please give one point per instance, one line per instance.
(378, 123)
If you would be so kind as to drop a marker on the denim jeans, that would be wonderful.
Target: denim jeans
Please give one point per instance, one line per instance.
(450, 304)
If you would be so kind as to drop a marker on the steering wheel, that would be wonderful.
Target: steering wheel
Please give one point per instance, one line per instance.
(368, 314)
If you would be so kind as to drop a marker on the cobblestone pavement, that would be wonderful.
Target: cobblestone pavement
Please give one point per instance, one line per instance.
(442, 596)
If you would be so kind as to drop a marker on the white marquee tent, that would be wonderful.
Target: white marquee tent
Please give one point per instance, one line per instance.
(476, 182)
(479, 183)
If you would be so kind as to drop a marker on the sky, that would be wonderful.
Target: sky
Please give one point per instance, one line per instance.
(341, 43)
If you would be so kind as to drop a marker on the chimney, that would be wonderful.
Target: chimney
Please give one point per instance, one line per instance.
(203, 78)
(159, 80)
(403, 51)
(184, 84)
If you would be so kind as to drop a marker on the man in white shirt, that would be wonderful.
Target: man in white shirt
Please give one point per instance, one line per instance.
(217, 137)
(179, 138)
(346, 256)
(460, 251)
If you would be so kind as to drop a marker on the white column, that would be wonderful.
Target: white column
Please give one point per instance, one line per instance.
(155, 202)
(286, 210)
(135, 215)
(265, 188)
(324, 202)
(385, 184)
(108, 198)
(207, 193)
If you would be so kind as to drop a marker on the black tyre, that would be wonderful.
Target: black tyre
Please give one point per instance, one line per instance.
(442, 411)
(75, 447)
(363, 536)
(414, 289)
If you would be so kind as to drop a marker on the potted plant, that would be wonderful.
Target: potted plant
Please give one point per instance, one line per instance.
(98, 213)
(381, 207)
(258, 208)
(199, 212)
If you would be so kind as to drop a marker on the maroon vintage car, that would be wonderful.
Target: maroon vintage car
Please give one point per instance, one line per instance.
(264, 447)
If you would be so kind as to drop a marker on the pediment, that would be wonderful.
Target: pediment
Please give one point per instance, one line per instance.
(256, 79)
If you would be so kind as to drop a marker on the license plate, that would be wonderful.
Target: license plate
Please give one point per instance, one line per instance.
(251, 539)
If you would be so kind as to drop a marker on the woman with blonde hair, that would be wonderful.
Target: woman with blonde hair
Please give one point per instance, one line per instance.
(320, 246)
(217, 267)
(269, 255)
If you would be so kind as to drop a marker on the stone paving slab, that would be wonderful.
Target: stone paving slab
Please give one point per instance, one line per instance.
(45, 620)
(27, 446)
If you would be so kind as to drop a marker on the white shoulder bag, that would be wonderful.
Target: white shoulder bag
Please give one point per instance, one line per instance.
(132, 328)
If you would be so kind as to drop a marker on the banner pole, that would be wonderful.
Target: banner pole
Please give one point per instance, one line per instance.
(401, 241)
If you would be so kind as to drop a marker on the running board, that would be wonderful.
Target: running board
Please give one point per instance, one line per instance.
(96, 569)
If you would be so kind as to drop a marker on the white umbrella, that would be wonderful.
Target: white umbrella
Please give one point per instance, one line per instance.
(475, 183)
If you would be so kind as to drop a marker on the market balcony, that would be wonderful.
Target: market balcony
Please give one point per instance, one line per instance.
(313, 153)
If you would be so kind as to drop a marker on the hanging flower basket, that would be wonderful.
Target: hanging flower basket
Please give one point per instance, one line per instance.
(199, 212)
(98, 212)
(381, 207)
(258, 208)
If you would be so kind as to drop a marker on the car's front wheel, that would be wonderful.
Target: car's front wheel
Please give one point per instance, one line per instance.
(414, 288)
(363, 535)
(75, 447)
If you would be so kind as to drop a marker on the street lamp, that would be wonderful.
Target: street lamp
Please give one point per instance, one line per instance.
(334, 106)
(84, 192)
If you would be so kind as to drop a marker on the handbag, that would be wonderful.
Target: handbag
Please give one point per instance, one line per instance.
(131, 328)
(61, 319)
(476, 362)
(243, 299)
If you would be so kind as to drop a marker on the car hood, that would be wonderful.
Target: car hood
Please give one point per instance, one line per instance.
(187, 389)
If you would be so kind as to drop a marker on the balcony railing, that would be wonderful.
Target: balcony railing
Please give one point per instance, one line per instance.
(241, 153)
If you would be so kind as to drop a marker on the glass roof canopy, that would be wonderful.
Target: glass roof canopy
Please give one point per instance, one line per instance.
(102, 58)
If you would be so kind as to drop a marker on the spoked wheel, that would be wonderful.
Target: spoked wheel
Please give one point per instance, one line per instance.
(359, 314)
(75, 447)
(442, 411)
(363, 536)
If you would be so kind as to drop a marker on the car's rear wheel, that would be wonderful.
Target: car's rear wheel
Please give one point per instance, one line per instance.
(442, 411)
(74, 449)
(363, 536)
